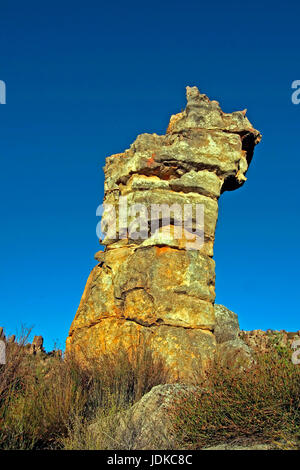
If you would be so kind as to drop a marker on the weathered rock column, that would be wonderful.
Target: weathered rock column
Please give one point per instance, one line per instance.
(154, 289)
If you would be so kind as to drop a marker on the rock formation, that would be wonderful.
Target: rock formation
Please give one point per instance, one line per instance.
(231, 350)
(37, 345)
(263, 341)
(32, 349)
(147, 424)
(156, 285)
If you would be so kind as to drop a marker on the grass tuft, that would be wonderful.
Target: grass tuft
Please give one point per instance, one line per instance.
(261, 404)
(49, 402)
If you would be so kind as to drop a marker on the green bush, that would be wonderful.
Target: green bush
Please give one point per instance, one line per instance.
(260, 404)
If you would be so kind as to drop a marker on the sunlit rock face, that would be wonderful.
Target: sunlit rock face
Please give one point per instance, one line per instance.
(159, 288)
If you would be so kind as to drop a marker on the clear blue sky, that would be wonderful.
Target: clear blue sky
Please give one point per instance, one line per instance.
(83, 80)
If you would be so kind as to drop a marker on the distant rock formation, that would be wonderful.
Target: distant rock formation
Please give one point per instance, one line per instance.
(264, 340)
(34, 348)
(236, 348)
(159, 288)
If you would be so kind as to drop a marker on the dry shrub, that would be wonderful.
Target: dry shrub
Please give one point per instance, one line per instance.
(38, 395)
(128, 376)
(44, 400)
(119, 380)
(14, 372)
(260, 404)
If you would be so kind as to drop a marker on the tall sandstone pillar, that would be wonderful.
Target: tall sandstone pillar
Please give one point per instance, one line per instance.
(154, 289)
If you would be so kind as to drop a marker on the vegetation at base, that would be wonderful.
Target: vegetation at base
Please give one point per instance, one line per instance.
(57, 403)
(49, 402)
(260, 404)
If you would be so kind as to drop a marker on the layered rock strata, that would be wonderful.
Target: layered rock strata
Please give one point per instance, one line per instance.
(155, 280)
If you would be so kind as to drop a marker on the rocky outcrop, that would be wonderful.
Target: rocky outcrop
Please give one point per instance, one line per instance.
(237, 348)
(231, 350)
(155, 280)
(264, 341)
(147, 424)
(34, 348)
(227, 326)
